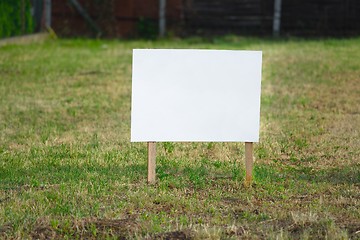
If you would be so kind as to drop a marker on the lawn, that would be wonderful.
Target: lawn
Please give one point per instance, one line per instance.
(68, 169)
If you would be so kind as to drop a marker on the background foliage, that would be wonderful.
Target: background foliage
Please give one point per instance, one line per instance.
(15, 18)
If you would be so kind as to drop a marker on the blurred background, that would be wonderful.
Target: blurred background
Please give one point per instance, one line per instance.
(153, 18)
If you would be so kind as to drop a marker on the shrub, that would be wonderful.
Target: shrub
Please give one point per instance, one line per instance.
(15, 18)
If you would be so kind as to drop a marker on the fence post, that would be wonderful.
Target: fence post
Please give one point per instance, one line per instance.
(162, 18)
(277, 18)
(47, 14)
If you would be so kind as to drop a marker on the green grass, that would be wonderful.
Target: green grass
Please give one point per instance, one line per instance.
(68, 170)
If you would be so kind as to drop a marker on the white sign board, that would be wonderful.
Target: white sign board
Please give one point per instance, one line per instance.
(195, 95)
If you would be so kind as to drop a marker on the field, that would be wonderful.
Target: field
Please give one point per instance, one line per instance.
(68, 169)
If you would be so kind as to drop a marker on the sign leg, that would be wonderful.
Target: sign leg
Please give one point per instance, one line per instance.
(249, 163)
(151, 162)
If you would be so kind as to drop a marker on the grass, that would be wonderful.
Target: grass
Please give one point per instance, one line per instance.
(68, 170)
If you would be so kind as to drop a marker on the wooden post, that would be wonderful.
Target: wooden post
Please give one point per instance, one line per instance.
(151, 162)
(248, 162)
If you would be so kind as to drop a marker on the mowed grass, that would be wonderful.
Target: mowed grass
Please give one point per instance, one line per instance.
(68, 169)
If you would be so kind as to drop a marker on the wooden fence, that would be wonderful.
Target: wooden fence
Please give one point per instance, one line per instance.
(113, 18)
(321, 17)
(137, 18)
(228, 16)
(298, 17)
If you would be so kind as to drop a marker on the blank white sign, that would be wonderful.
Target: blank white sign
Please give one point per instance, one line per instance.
(195, 95)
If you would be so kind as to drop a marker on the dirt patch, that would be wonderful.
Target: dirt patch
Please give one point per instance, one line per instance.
(4, 229)
(85, 229)
(185, 234)
(37, 37)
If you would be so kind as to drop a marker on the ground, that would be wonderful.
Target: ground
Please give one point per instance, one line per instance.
(68, 170)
